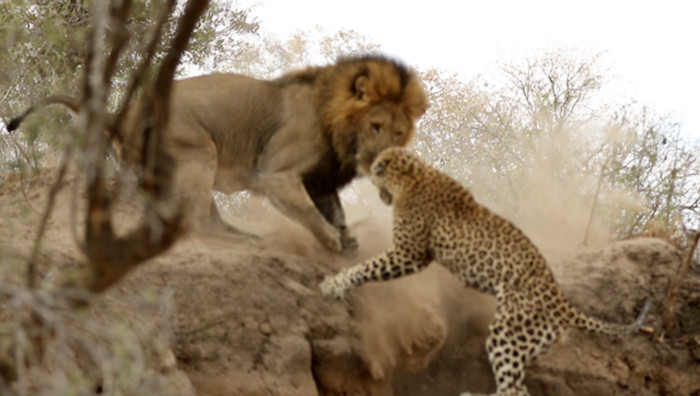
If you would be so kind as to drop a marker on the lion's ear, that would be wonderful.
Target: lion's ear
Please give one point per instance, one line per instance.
(361, 87)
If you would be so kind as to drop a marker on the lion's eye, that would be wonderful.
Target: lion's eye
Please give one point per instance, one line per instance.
(400, 133)
(376, 128)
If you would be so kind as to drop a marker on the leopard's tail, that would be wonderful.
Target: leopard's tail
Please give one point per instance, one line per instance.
(585, 322)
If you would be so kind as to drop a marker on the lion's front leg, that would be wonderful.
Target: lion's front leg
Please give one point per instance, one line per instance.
(330, 207)
(286, 192)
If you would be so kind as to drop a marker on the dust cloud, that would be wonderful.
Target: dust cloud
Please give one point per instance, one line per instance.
(557, 196)
(402, 324)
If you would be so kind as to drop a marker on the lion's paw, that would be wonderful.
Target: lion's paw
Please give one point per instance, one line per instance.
(331, 239)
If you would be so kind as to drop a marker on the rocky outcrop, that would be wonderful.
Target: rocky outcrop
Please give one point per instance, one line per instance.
(216, 317)
(255, 324)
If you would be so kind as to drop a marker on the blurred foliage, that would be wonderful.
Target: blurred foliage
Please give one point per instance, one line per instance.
(650, 157)
(534, 139)
(269, 57)
(42, 50)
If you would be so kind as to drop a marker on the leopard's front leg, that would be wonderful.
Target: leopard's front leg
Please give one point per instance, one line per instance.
(389, 265)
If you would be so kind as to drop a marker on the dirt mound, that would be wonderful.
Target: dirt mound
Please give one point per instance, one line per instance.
(220, 317)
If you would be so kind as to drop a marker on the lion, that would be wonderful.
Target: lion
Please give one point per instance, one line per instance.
(296, 139)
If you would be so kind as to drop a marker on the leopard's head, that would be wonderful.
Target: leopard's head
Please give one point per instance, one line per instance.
(393, 170)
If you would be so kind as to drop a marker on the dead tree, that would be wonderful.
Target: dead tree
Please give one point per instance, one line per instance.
(110, 257)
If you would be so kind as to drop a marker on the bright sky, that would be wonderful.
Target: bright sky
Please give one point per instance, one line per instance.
(652, 46)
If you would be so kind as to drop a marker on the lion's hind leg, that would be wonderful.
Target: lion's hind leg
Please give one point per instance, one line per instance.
(193, 183)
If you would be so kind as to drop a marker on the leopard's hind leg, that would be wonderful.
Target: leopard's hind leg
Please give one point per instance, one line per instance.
(520, 331)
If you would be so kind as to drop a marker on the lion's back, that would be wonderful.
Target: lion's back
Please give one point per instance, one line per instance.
(227, 106)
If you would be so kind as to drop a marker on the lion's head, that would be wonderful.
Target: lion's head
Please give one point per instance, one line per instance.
(369, 103)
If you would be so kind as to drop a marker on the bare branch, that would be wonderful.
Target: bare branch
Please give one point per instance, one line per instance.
(669, 305)
(112, 258)
(53, 191)
(119, 12)
(138, 75)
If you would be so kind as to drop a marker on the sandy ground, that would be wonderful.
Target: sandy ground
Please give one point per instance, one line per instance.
(230, 317)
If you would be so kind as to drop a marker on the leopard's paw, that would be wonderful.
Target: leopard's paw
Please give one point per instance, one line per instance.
(331, 287)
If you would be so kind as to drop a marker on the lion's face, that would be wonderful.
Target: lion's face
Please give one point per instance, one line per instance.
(384, 125)
(372, 104)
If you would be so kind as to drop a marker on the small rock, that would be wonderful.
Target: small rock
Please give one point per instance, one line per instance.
(265, 329)
(168, 363)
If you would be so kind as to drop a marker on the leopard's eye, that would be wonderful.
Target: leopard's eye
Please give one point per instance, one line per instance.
(378, 169)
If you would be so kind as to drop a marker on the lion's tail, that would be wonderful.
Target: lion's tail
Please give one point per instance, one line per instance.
(65, 100)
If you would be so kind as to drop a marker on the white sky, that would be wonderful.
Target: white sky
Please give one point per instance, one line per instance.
(652, 46)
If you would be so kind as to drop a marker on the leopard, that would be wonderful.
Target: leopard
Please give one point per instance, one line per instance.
(436, 219)
(296, 140)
